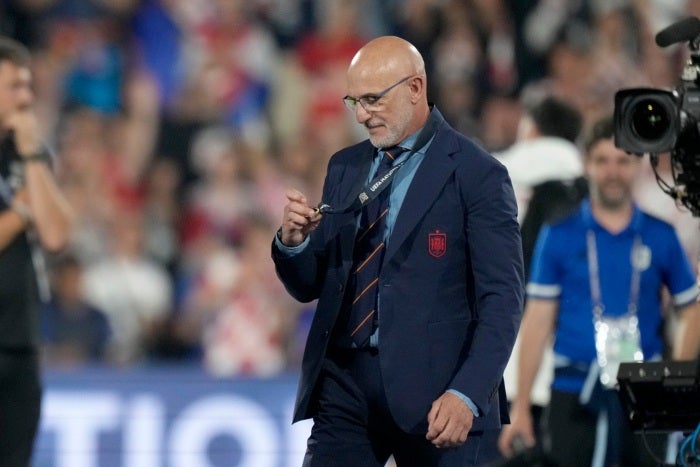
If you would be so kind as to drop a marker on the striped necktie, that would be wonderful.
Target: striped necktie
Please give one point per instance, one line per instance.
(367, 259)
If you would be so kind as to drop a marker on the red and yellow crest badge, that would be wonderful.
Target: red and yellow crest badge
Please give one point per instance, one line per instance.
(437, 243)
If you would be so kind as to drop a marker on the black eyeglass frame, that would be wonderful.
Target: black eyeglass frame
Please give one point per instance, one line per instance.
(371, 100)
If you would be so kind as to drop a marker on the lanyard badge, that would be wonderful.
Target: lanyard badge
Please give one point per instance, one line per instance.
(617, 338)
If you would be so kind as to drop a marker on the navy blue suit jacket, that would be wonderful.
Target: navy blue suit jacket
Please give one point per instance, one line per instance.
(451, 287)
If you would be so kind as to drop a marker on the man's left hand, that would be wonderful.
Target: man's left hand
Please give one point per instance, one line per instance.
(449, 421)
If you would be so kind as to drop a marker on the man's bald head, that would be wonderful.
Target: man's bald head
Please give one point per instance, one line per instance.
(386, 78)
(387, 55)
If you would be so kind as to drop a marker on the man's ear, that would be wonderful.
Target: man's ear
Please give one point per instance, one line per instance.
(417, 86)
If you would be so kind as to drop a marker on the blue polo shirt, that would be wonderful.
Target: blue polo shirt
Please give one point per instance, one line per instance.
(559, 271)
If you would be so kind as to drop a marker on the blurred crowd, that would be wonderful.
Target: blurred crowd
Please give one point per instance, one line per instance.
(178, 124)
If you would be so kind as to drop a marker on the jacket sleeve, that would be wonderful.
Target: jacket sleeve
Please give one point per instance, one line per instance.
(495, 252)
(301, 273)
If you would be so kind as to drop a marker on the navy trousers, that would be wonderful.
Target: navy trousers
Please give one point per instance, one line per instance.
(353, 426)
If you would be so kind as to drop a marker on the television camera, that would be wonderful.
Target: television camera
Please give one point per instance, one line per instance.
(665, 396)
(658, 121)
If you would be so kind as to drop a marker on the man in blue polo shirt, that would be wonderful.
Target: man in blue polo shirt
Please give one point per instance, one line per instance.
(595, 286)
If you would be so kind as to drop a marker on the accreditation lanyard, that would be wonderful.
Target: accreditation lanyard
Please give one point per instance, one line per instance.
(617, 338)
(594, 276)
(372, 189)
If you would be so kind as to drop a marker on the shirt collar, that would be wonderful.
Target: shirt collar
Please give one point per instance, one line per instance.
(634, 226)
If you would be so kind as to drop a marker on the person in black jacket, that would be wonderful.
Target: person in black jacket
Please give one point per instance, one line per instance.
(545, 166)
(33, 216)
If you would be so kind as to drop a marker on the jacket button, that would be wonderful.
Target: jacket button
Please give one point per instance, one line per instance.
(325, 333)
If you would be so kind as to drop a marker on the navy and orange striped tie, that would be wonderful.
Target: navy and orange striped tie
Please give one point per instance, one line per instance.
(367, 258)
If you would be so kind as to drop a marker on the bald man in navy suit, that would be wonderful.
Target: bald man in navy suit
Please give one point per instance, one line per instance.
(426, 385)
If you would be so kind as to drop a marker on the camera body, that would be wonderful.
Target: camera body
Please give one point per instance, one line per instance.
(657, 121)
(652, 120)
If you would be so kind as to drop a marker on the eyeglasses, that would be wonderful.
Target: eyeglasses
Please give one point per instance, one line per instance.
(370, 102)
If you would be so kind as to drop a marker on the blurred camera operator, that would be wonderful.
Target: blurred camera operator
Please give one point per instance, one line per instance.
(595, 282)
(33, 215)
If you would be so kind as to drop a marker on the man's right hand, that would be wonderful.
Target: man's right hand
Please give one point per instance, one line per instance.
(25, 126)
(299, 219)
(519, 431)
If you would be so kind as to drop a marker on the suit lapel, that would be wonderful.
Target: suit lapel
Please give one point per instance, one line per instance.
(426, 185)
(356, 174)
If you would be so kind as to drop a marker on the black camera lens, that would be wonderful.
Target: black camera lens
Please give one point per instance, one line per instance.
(650, 119)
(647, 120)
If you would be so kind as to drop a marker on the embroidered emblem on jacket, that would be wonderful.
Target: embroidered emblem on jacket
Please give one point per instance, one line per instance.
(437, 243)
